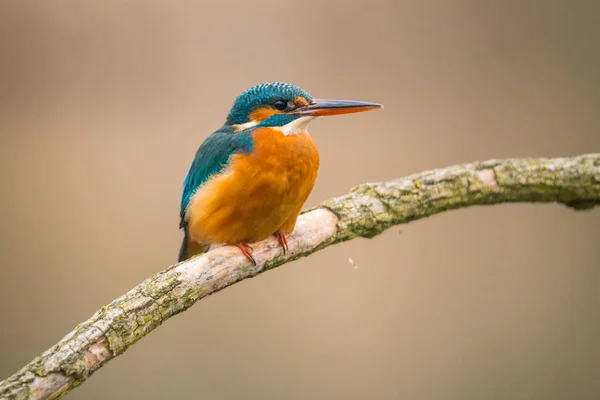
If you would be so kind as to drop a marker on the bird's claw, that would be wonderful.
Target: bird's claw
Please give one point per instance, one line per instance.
(282, 241)
(247, 251)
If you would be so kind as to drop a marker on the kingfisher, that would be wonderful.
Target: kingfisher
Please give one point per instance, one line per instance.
(250, 178)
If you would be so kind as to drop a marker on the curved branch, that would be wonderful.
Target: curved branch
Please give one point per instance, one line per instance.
(366, 211)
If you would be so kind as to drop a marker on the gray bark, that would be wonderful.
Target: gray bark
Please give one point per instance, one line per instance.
(366, 211)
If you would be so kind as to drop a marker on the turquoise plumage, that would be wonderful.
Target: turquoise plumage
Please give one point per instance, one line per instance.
(210, 159)
(273, 165)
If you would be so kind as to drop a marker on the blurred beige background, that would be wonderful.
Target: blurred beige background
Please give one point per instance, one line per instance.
(103, 104)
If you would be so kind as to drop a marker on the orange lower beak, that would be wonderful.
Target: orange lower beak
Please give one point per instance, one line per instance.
(319, 107)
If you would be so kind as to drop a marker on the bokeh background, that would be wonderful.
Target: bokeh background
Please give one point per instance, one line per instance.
(103, 104)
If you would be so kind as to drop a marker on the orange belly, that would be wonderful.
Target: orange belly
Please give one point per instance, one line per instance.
(258, 194)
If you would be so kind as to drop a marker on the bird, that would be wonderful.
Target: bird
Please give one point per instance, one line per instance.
(249, 180)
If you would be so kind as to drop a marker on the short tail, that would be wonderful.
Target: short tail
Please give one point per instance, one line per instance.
(190, 248)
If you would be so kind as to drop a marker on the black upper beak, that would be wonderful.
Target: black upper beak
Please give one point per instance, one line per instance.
(320, 107)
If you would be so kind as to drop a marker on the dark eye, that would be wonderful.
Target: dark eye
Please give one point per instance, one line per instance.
(280, 105)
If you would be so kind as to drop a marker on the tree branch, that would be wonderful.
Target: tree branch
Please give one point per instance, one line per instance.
(366, 211)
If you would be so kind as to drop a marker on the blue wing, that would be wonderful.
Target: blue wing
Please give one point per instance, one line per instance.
(211, 158)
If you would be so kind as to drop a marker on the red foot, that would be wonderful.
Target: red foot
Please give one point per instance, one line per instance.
(247, 251)
(282, 241)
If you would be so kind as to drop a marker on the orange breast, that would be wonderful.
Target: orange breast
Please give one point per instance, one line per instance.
(259, 194)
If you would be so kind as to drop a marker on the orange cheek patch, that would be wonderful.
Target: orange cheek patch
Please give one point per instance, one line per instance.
(300, 101)
(260, 114)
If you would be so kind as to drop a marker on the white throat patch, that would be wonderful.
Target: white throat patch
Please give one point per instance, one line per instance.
(244, 126)
(296, 126)
(293, 128)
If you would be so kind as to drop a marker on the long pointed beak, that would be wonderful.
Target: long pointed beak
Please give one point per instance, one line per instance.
(320, 107)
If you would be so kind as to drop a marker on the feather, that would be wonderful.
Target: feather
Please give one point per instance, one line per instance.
(210, 159)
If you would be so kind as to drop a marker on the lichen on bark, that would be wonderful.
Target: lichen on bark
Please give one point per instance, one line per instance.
(366, 211)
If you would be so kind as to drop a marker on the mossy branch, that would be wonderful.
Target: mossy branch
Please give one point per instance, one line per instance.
(366, 211)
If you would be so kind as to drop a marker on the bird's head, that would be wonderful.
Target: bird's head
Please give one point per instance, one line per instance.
(285, 106)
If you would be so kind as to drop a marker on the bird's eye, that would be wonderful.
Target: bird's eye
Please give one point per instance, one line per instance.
(280, 105)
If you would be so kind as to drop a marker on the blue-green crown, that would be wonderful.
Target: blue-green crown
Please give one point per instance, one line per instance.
(262, 95)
